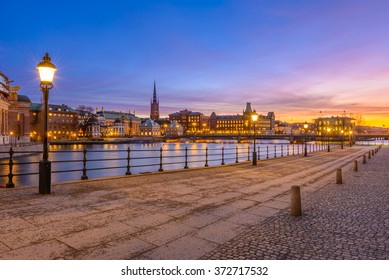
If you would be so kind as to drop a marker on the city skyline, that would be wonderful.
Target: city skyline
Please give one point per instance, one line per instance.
(295, 59)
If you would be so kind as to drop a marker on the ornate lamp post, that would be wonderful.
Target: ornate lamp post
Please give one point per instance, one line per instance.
(46, 73)
(305, 138)
(328, 138)
(254, 118)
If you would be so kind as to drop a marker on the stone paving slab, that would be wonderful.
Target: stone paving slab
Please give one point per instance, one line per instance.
(174, 215)
(50, 250)
(125, 248)
(187, 247)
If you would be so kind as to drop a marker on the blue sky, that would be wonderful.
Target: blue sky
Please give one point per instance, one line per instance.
(296, 58)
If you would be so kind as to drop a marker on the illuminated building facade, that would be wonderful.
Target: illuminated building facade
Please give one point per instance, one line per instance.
(336, 126)
(62, 122)
(111, 123)
(4, 108)
(14, 114)
(192, 122)
(150, 128)
(174, 129)
(242, 124)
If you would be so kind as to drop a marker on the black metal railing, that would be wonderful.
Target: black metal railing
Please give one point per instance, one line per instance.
(132, 161)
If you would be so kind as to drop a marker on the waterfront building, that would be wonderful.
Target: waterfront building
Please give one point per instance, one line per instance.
(150, 128)
(19, 115)
(93, 130)
(192, 122)
(110, 126)
(228, 124)
(154, 106)
(242, 124)
(14, 113)
(61, 125)
(335, 125)
(174, 129)
(4, 108)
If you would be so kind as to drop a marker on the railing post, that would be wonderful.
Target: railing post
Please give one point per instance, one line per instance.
(298, 149)
(267, 151)
(206, 157)
(10, 184)
(282, 150)
(186, 158)
(236, 155)
(275, 150)
(258, 152)
(84, 177)
(222, 155)
(160, 160)
(128, 161)
(287, 151)
(248, 153)
(293, 149)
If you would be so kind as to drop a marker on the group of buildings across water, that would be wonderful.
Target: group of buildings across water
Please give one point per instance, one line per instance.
(21, 121)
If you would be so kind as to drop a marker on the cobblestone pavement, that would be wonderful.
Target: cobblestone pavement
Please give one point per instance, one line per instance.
(347, 221)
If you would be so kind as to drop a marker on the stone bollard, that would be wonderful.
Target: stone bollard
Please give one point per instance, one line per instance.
(364, 159)
(372, 153)
(339, 176)
(355, 165)
(369, 156)
(295, 201)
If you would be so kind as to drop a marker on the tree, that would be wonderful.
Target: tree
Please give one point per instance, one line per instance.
(359, 123)
(86, 117)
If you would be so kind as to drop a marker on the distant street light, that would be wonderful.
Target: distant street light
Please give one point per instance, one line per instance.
(328, 138)
(254, 118)
(46, 73)
(341, 139)
(305, 139)
(350, 138)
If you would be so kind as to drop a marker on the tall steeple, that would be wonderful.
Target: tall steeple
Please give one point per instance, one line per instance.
(154, 106)
(155, 94)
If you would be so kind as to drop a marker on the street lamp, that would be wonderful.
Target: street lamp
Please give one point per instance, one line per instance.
(11, 137)
(350, 137)
(305, 139)
(341, 139)
(328, 138)
(254, 118)
(46, 73)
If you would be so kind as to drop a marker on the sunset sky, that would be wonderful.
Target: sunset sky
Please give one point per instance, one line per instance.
(296, 58)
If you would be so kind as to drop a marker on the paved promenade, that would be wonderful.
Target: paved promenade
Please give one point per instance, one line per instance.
(230, 212)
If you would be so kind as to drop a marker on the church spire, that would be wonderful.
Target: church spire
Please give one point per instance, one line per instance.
(154, 106)
(155, 94)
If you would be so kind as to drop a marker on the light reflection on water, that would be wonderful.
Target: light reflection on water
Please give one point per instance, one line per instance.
(145, 156)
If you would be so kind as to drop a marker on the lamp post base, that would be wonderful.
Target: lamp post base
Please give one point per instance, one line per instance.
(44, 177)
(254, 158)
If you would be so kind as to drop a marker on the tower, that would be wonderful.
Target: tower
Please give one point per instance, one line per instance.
(154, 106)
